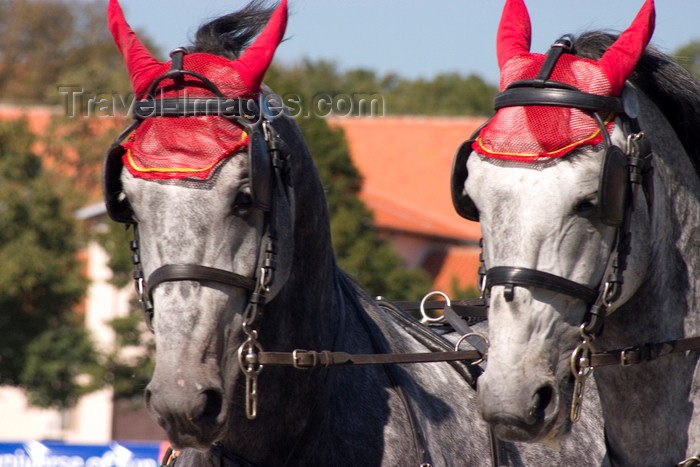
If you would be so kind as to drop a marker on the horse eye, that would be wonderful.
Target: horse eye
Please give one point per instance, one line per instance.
(584, 207)
(242, 203)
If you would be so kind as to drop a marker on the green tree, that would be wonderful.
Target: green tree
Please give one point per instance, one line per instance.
(128, 372)
(50, 47)
(43, 348)
(446, 94)
(688, 56)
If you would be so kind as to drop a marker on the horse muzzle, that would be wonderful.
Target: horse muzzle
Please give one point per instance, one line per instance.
(192, 414)
(532, 413)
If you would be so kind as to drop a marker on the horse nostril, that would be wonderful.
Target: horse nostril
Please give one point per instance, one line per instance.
(540, 402)
(211, 405)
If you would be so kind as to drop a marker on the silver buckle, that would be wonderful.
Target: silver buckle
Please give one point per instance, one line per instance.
(295, 359)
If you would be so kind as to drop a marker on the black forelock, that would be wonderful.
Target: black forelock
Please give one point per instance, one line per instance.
(229, 35)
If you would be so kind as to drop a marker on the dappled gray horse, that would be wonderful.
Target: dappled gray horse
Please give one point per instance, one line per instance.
(233, 259)
(586, 187)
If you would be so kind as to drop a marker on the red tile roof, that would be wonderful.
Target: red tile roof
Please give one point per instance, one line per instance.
(406, 164)
(459, 267)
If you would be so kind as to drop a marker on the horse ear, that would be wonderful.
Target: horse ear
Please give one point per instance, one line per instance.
(140, 64)
(514, 31)
(252, 64)
(619, 60)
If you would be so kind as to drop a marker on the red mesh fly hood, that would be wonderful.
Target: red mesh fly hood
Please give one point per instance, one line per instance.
(180, 147)
(529, 133)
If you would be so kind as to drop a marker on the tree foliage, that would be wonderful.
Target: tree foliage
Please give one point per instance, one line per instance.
(40, 277)
(688, 56)
(448, 94)
(49, 43)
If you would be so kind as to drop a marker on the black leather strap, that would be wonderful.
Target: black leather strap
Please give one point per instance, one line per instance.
(510, 276)
(195, 106)
(528, 96)
(644, 353)
(195, 272)
(562, 45)
(312, 359)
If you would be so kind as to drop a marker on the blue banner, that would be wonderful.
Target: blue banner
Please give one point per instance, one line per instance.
(60, 454)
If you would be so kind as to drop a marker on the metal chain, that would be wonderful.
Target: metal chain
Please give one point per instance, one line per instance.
(248, 352)
(251, 367)
(581, 369)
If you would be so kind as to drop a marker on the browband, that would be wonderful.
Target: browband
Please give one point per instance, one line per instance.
(555, 96)
(196, 106)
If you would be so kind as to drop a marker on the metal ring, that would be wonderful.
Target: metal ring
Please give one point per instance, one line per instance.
(582, 353)
(427, 319)
(690, 462)
(477, 334)
(249, 348)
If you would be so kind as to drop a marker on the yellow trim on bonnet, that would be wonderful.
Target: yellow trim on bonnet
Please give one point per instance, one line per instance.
(547, 154)
(132, 163)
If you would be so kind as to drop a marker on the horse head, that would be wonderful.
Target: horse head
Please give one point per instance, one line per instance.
(547, 178)
(202, 177)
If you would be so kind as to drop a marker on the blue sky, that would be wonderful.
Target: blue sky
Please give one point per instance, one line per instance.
(415, 38)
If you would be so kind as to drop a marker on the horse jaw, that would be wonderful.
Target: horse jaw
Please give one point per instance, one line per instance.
(528, 220)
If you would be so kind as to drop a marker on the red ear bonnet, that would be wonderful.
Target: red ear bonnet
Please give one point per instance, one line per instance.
(163, 147)
(142, 67)
(533, 132)
(250, 67)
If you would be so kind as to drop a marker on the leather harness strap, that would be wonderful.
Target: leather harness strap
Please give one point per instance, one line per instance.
(305, 359)
(470, 309)
(511, 276)
(643, 353)
(196, 272)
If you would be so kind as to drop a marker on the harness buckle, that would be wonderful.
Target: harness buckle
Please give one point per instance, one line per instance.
(296, 359)
(626, 357)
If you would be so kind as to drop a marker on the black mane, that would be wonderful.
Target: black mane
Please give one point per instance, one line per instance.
(673, 89)
(229, 35)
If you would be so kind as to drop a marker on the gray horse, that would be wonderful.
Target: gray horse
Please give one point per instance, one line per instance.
(606, 237)
(233, 255)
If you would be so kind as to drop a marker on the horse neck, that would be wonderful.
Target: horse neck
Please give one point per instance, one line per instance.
(304, 315)
(665, 307)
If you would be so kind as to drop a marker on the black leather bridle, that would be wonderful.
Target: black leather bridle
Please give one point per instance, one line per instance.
(623, 172)
(268, 157)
